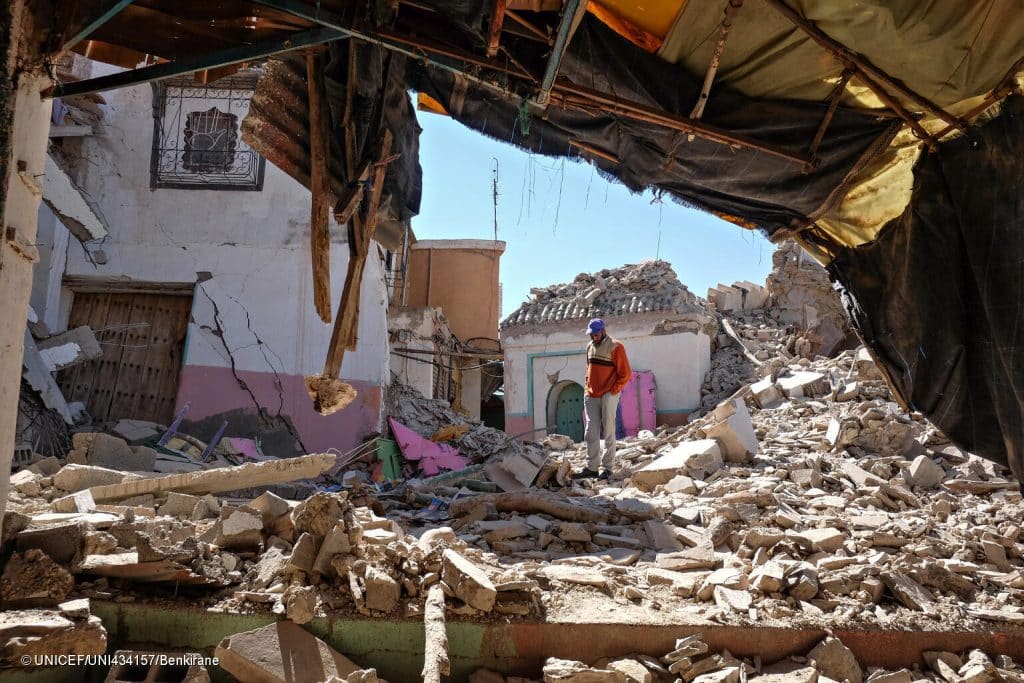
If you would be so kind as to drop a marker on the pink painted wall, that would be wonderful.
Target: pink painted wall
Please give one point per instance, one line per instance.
(214, 391)
(637, 403)
(517, 424)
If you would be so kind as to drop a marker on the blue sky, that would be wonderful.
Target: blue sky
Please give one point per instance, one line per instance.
(561, 218)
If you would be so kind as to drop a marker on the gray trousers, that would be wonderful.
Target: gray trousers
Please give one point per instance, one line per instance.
(600, 412)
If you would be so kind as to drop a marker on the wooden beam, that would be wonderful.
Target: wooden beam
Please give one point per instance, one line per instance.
(187, 65)
(833, 104)
(732, 8)
(873, 74)
(572, 13)
(574, 95)
(518, 18)
(343, 337)
(108, 10)
(497, 19)
(895, 105)
(320, 187)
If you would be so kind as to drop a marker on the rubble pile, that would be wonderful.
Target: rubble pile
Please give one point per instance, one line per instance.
(693, 661)
(802, 295)
(633, 288)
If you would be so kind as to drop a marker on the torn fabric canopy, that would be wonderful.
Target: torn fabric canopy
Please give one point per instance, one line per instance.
(937, 296)
(768, 190)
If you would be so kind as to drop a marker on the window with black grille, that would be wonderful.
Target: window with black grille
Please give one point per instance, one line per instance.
(197, 143)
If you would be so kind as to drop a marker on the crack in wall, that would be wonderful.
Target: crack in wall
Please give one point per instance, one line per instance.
(261, 410)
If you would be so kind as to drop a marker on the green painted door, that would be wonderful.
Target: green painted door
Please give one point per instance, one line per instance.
(569, 412)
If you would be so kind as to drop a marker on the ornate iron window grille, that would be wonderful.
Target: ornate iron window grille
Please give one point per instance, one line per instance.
(197, 143)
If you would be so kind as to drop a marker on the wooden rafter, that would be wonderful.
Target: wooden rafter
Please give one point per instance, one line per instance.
(320, 187)
(732, 8)
(876, 79)
(497, 19)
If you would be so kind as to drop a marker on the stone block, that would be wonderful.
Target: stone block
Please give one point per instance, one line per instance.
(570, 671)
(805, 384)
(926, 473)
(766, 393)
(468, 582)
(178, 505)
(835, 660)
(692, 458)
(282, 652)
(382, 592)
(80, 501)
(304, 553)
(240, 528)
(335, 543)
(61, 542)
(734, 432)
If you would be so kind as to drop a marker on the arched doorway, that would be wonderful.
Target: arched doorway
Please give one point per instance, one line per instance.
(565, 410)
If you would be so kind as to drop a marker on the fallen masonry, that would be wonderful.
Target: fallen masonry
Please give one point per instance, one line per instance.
(803, 499)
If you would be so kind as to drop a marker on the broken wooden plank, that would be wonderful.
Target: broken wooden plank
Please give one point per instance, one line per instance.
(320, 188)
(222, 479)
(435, 654)
(497, 19)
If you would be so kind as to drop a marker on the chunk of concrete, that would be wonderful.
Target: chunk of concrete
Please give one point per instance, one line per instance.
(62, 542)
(112, 452)
(240, 528)
(304, 553)
(692, 458)
(767, 393)
(70, 348)
(30, 632)
(468, 582)
(569, 671)
(80, 501)
(74, 478)
(300, 603)
(271, 505)
(137, 432)
(926, 473)
(335, 543)
(382, 592)
(734, 431)
(270, 566)
(803, 384)
(319, 513)
(178, 505)
(282, 652)
(836, 661)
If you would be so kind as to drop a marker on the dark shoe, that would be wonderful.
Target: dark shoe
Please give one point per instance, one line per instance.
(587, 473)
(605, 475)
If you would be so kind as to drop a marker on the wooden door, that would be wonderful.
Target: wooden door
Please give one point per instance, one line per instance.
(143, 341)
(569, 412)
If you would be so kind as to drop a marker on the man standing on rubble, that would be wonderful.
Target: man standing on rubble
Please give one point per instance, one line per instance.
(607, 373)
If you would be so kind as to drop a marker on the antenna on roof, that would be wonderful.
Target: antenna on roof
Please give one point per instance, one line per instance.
(494, 194)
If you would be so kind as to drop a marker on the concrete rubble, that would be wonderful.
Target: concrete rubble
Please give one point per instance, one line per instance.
(802, 496)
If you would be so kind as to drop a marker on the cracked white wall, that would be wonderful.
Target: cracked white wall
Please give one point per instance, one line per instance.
(255, 245)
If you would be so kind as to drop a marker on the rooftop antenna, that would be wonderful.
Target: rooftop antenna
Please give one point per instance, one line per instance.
(494, 194)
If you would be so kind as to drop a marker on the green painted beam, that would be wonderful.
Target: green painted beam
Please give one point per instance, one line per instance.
(246, 53)
(108, 12)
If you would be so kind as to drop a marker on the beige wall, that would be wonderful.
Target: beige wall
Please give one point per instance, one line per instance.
(461, 278)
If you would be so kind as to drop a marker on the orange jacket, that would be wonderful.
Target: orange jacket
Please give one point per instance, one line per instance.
(608, 368)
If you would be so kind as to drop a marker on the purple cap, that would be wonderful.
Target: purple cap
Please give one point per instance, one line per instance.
(595, 326)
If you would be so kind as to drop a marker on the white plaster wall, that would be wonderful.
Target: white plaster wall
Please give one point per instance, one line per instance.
(255, 245)
(678, 361)
(417, 327)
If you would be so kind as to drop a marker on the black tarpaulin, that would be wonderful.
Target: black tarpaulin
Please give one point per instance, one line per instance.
(939, 296)
(762, 188)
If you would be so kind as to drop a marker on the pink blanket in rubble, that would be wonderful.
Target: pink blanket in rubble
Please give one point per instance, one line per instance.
(432, 457)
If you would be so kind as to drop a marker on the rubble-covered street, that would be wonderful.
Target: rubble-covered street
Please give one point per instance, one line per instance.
(806, 498)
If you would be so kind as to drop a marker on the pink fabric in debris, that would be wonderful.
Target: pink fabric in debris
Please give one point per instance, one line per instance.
(246, 447)
(433, 457)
